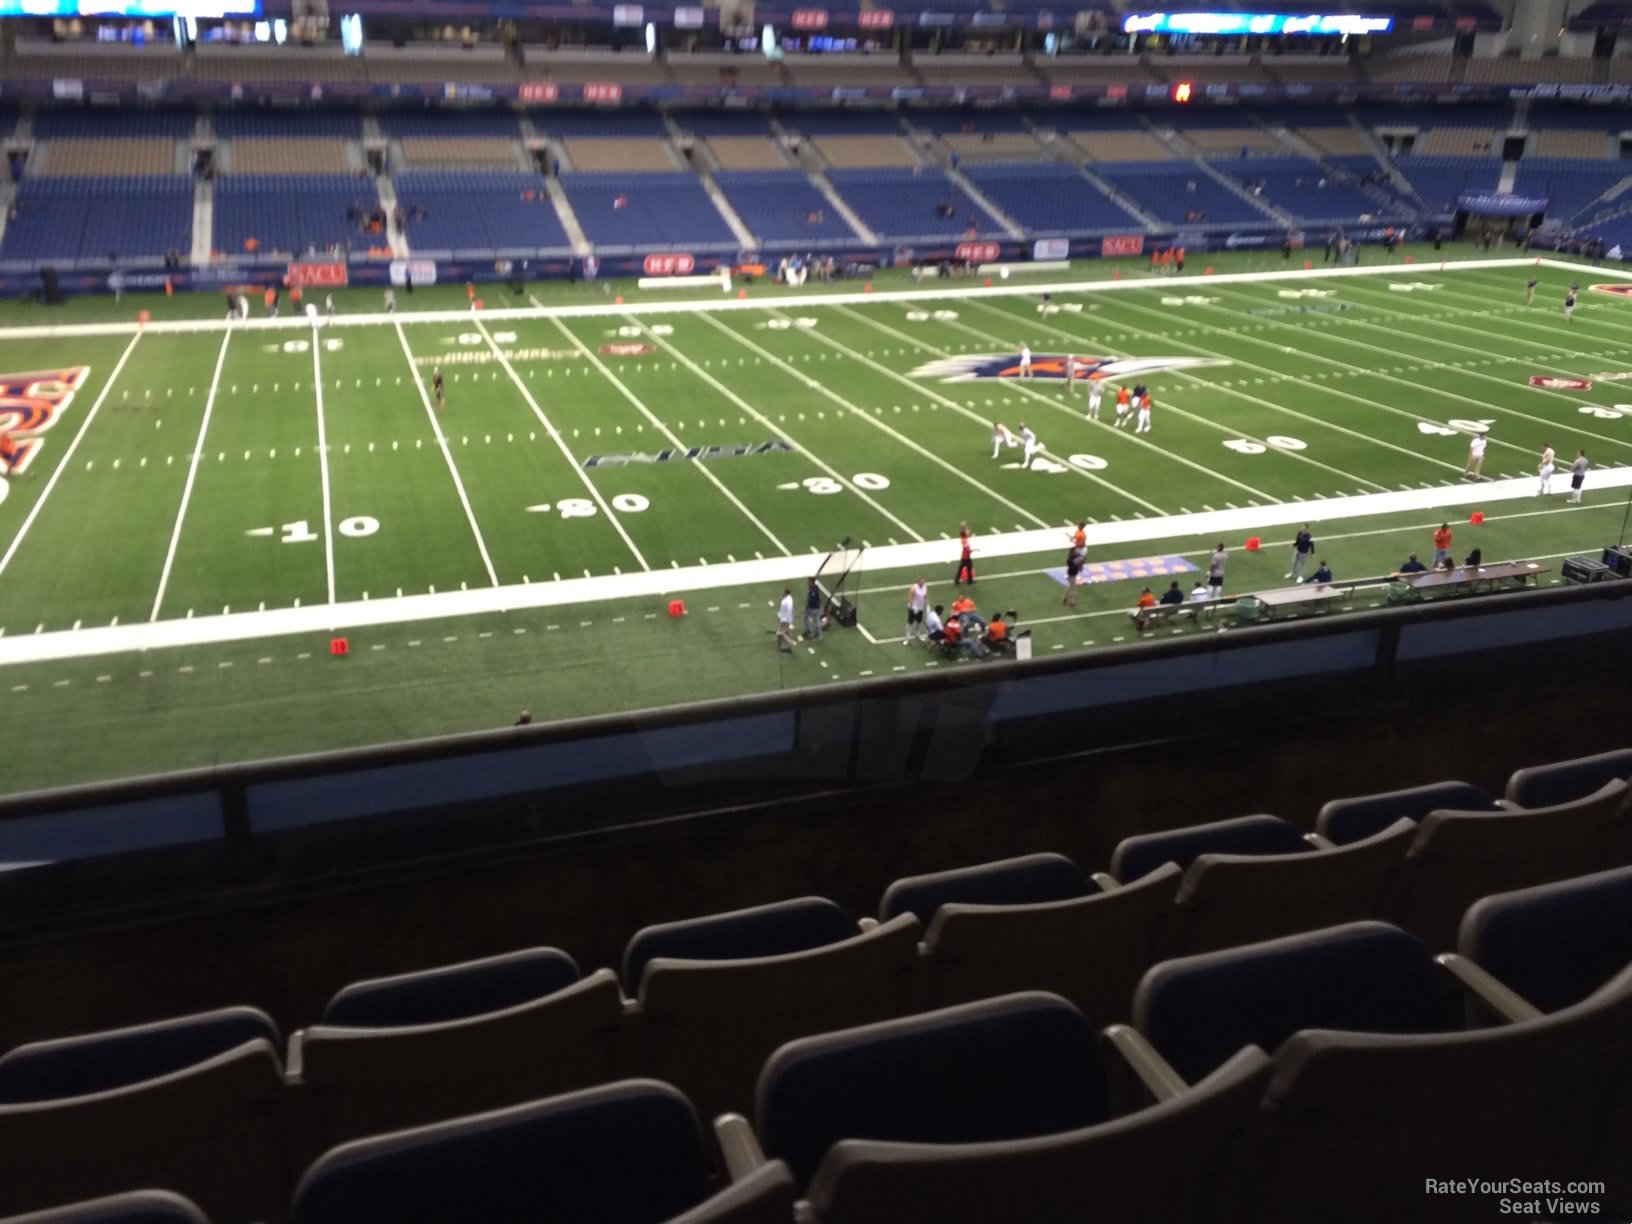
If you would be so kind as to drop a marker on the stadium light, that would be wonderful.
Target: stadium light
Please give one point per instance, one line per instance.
(1183, 91)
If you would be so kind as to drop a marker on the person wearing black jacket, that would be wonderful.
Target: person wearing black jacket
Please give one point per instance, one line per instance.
(1303, 547)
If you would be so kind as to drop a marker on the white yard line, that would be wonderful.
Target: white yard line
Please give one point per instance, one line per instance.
(782, 429)
(56, 474)
(192, 474)
(322, 463)
(772, 572)
(858, 411)
(752, 302)
(593, 358)
(447, 454)
(971, 414)
(555, 436)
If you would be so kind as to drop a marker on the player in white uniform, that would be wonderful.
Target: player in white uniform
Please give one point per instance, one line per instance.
(1144, 415)
(917, 601)
(1025, 361)
(1033, 446)
(1001, 437)
(1569, 306)
(1096, 392)
(1545, 471)
(1070, 373)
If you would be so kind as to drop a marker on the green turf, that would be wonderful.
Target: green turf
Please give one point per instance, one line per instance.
(1309, 405)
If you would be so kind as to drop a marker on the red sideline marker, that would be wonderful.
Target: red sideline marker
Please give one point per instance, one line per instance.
(1254, 543)
(340, 647)
(1477, 517)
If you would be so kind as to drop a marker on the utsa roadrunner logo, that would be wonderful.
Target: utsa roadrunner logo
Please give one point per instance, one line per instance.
(1620, 290)
(979, 366)
(29, 405)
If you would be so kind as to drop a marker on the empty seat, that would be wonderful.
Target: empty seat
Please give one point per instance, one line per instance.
(1555, 943)
(1018, 881)
(719, 994)
(193, 1104)
(1091, 949)
(1353, 1124)
(1137, 856)
(1549, 785)
(1366, 977)
(453, 992)
(1459, 857)
(631, 1152)
(1156, 1166)
(137, 1207)
(1230, 899)
(364, 1080)
(1008, 1068)
(1351, 820)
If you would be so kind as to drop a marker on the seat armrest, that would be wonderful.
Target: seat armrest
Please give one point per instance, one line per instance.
(1505, 1003)
(1319, 842)
(1507, 805)
(1107, 883)
(1152, 1069)
(739, 1146)
(292, 1064)
(867, 924)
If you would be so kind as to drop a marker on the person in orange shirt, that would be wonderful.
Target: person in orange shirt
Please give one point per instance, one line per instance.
(1141, 611)
(270, 297)
(1442, 545)
(470, 293)
(1178, 258)
(1079, 537)
(8, 451)
(996, 636)
(1124, 405)
(962, 604)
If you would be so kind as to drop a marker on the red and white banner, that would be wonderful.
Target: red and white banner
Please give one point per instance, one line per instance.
(325, 275)
(978, 252)
(606, 92)
(875, 19)
(1122, 244)
(669, 265)
(539, 92)
(809, 19)
(1059, 93)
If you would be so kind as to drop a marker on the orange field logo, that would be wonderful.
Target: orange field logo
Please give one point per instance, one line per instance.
(29, 405)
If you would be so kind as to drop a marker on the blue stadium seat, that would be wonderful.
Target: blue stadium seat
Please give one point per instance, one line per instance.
(657, 210)
(100, 218)
(1563, 781)
(777, 206)
(1030, 880)
(1091, 950)
(137, 1207)
(764, 930)
(289, 213)
(1555, 944)
(902, 203)
(268, 123)
(113, 122)
(1008, 1068)
(480, 210)
(1135, 857)
(1163, 190)
(1459, 857)
(1048, 198)
(1365, 977)
(630, 1152)
(1350, 820)
(195, 1105)
(453, 992)
(365, 1080)
(717, 995)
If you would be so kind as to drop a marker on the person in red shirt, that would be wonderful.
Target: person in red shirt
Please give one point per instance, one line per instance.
(1079, 537)
(1442, 544)
(997, 634)
(966, 558)
(1124, 406)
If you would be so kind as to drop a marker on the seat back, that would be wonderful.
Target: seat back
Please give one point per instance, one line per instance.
(1091, 950)
(362, 1081)
(117, 1058)
(762, 930)
(137, 1207)
(1230, 899)
(1351, 820)
(708, 1026)
(1156, 1166)
(453, 992)
(1364, 977)
(214, 1132)
(1554, 944)
(1030, 880)
(1136, 857)
(630, 1151)
(1355, 1124)
(1014, 1067)
(1543, 786)
(1459, 857)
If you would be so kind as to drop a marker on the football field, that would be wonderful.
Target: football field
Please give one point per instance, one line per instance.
(202, 506)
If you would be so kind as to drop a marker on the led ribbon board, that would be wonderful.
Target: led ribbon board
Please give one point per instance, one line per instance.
(1335, 25)
(196, 9)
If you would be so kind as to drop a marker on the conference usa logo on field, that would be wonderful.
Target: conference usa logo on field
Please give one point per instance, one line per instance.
(979, 366)
(29, 405)
(694, 452)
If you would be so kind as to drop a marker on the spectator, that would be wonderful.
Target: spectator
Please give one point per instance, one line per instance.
(935, 624)
(1303, 547)
(1476, 558)
(1173, 596)
(1442, 544)
(1323, 575)
(996, 637)
(813, 611)
(1073, 573)
(1141, 610)
(1215, 570)
(784, 621)
(1201, 592)
(1413, 566)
